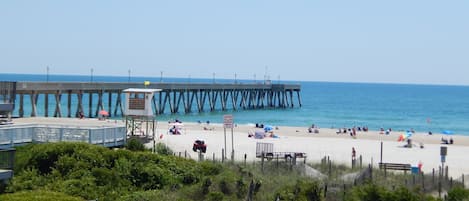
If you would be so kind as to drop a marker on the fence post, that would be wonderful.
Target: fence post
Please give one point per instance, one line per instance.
(245, 157)
(201, 156)
(423, 181)
(213, 157)
(433, 177)
(185, 153)
(222, 155)
(325, 189)
(446, 172)
(262, 162)
(463, 185)
(361, 160)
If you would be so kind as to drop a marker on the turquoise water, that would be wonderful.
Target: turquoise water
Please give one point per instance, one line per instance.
(328, 104)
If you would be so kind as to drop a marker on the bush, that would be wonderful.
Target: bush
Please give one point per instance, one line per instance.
(215, 196)
(38, 196)
(134, 145)
(163, 149)
(458, 194)
(302, 190)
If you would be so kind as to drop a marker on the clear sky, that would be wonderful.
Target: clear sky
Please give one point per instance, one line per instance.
(398, 41)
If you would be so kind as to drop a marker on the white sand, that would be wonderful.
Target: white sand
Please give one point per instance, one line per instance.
(326, 143)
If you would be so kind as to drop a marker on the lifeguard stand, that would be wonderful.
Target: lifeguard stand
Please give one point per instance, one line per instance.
(140, 119)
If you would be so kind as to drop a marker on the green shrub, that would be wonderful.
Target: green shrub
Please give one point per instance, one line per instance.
(161, 148)
(303, 190)
(38, 196)
(134, 145)
(150, 196)
(215, 196)
(458, 194)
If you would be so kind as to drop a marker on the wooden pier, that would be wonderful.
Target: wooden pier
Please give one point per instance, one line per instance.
(173, 97)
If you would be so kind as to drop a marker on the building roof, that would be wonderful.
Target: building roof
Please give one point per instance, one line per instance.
(137, 90)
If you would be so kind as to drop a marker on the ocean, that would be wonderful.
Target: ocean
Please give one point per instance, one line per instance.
(403, 107)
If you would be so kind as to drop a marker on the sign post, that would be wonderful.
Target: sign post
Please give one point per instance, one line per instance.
(443, 153)
(228, 123)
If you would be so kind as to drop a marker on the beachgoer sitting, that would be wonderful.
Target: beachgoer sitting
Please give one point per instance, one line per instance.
(310, 130)
(451, 141)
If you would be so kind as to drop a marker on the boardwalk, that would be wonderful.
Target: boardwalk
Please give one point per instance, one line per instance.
(174, 97)
(40, 130)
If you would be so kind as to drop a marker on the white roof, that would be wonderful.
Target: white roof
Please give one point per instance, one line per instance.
(136, 90)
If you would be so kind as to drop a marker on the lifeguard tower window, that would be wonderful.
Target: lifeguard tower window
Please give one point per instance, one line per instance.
(137, 101)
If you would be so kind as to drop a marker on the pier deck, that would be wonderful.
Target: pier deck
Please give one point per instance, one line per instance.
(91, 97)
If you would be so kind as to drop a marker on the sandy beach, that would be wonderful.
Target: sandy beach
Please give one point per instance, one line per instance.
(297, 139)
(325, 143)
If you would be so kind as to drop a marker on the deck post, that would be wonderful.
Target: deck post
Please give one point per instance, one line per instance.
(21, 109)
(33, 103)
(46, 105)
(90, 105)
(109, 96)
(69, 103)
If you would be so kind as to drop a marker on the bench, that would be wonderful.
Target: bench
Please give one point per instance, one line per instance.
(395, 166)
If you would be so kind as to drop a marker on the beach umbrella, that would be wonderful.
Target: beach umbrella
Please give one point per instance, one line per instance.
(447, 132)
(408, 134)
(103, 113)
(403, 137)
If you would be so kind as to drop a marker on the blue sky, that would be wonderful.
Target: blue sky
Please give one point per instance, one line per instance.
(348, 41)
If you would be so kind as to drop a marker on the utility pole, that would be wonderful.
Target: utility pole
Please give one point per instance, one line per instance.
(129, 76)
(161, 76)
(47, 75)
(91, 78)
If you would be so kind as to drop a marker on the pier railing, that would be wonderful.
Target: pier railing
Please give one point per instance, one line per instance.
(90, 97)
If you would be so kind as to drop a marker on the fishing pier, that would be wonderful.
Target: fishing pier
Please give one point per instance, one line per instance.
(69, 99)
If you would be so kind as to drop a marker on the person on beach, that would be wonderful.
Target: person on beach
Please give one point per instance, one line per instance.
(353, 153)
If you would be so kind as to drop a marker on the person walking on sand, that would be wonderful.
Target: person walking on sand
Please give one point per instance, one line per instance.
(353, 153)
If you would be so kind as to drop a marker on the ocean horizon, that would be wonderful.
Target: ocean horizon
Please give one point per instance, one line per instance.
(421, 107)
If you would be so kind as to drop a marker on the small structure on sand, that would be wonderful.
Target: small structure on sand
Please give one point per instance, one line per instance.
(139, 116)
